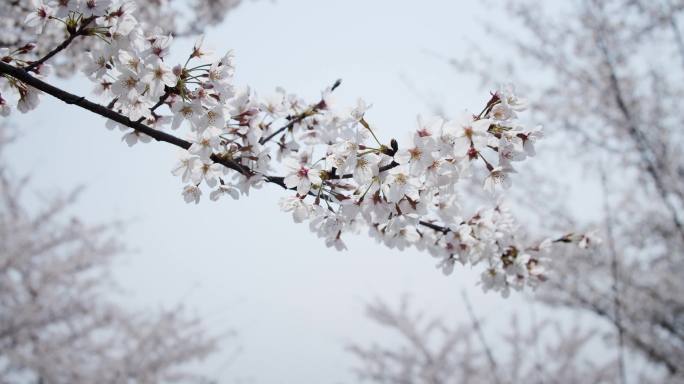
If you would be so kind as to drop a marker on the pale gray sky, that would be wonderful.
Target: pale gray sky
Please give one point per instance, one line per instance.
(244, 265)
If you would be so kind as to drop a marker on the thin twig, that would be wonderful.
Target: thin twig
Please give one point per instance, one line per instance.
(298, 118)
(610, 240)
(72, 36)
(162, 100)
(480, 335)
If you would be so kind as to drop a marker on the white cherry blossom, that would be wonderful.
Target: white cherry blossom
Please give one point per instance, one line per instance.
(302, 177)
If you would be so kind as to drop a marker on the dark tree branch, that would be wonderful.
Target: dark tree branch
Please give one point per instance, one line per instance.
(69, 98)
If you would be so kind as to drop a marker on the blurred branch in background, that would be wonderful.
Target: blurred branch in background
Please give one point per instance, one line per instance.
(433, 351)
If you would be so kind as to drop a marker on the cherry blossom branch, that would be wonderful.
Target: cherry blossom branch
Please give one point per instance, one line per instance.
(291, 124)
(104, 111)
(69, 98)
(73, 34)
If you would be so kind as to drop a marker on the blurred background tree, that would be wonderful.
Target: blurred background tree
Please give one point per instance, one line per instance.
(58, 320)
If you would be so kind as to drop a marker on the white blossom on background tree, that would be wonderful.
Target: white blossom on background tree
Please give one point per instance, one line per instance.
(57, 322)
(344, 178)
(608, 78)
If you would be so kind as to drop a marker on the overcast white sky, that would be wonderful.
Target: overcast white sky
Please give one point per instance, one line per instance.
(244, 265)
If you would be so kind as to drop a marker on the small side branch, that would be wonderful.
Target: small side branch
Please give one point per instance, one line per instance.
(81, 31)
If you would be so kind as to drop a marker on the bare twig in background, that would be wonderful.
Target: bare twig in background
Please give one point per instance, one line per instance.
(478, 329)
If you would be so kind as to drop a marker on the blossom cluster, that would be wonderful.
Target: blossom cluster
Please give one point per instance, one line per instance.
(341, 176)
(180, 18)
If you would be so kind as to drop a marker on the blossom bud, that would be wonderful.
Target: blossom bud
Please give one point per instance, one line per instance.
(27, 48)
